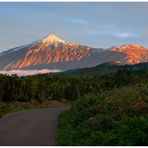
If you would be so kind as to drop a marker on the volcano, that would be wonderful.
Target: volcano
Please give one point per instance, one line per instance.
(52, 53)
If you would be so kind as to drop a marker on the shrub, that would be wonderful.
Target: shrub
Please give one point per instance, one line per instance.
(116, 117)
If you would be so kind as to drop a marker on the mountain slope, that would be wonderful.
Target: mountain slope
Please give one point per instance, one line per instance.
(107, 68)
(133, 54)
(44, 52)
(54, 53)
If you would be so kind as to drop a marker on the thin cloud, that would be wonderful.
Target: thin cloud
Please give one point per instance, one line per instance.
(112, 32)
(125, 35)
(70, 19)
(106, 30)
(74, 20)
(79, 21)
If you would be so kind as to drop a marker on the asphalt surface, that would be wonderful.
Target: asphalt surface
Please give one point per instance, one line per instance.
(37, 127)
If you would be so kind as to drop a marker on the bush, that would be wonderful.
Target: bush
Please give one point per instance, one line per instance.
(23, 99)
(116, 117)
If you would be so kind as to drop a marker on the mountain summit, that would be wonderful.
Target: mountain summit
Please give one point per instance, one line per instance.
(54, 53)
(51, 38)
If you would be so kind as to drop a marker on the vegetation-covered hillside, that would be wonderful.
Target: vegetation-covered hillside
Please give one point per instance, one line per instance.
(117, 115)
(59, 87)
(107, 68)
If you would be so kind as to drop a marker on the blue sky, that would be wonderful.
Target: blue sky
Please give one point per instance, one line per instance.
(94, 24)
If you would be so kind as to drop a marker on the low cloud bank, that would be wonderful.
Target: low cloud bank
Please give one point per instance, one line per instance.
(29, 72)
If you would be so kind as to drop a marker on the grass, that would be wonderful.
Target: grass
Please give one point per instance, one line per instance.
(6, 108)
(9, 108)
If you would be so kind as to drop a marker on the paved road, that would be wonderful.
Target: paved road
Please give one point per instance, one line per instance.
(37, 127)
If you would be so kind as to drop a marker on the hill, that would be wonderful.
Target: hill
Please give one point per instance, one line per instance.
(107, 68)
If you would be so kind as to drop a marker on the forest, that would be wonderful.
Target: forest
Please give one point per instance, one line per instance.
(106, 110)
(57, 87)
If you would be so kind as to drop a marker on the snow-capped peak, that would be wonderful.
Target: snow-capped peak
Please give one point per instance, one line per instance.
(51, 39)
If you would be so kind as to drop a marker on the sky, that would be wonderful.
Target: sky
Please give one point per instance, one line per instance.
(96, 24)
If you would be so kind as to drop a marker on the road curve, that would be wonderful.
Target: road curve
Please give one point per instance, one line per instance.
(37, 127)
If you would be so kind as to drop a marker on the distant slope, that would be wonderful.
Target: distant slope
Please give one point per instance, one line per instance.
(107, 68)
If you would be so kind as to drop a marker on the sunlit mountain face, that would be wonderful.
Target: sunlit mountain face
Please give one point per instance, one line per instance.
(133, 54)
(43, 53)
(54, 53)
